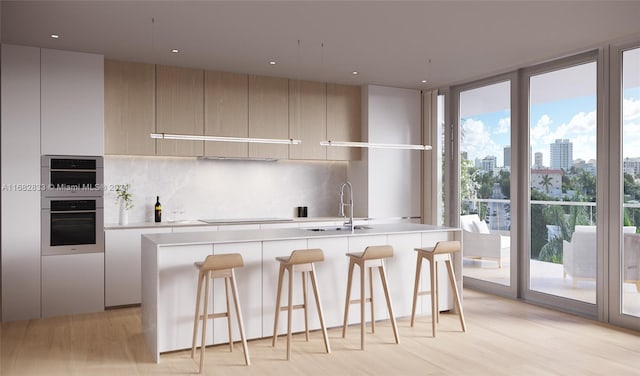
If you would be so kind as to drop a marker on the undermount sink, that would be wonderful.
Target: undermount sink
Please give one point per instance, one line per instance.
(343, 228)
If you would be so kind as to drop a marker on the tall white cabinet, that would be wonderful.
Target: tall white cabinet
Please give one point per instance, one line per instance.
(388, 181)
(20, 167)
(52, 103)
(72, 103)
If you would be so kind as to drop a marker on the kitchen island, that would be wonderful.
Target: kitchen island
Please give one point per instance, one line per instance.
(169, 278)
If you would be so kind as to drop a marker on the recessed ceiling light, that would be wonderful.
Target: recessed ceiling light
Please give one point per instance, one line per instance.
(354, 73)
(175, 50)
(272, 62)
(55, 36)
(424, 81)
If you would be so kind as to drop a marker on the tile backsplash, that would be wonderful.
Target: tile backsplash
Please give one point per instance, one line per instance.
(190, 188)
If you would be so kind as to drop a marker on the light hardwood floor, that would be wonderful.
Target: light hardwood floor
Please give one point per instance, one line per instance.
(504, 337)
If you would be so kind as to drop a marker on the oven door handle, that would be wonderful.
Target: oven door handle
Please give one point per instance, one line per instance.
(72, 211)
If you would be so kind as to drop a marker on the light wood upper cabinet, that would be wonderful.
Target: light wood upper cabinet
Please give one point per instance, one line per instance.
(226, 112)
(129, 108)
(307, 119)
(179, 109)
(343, 120)
(268, 115)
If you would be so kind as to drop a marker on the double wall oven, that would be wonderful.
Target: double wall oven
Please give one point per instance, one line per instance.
(72, 205)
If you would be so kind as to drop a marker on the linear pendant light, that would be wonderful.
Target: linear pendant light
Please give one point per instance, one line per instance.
(168, 136)
(375, 145)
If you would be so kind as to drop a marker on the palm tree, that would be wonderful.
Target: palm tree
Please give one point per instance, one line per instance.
(546, 182)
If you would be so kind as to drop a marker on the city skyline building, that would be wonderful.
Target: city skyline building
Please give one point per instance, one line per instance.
(489, 163)
(539, 163)
(507, 156)
(561, 154)
(631, 166)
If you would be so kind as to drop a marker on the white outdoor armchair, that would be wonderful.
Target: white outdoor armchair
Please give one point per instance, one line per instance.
(480, 243)
(579, 255)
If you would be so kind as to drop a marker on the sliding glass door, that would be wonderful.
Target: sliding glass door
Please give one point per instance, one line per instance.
(630, 278)
(563, 231)
(485, 190)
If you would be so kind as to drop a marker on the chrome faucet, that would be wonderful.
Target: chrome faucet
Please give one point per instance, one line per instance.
(350, 204)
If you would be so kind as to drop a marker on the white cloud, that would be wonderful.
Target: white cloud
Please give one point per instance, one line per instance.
(477, 142)
(630, 109)
(542, 127)
(504, 126)
(631, 140)
(582, 123)
(584, 146)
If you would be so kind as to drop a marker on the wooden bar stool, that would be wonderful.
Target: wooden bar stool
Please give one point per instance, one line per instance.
(299, 261)
(218, 266)
(370, 258)
(441, 252)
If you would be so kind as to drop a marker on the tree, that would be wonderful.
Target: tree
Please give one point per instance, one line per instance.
(505, 183)
(546, 181)
(587, 183)
(538, 224)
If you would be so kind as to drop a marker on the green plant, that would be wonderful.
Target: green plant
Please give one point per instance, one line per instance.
(122, 192)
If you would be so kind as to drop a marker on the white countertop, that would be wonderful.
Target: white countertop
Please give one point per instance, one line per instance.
(223, 222)
(209, 237)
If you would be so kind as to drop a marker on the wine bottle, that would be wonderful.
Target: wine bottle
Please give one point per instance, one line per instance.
(158, 210)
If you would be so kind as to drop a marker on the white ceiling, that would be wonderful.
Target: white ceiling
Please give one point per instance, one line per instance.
(392, 43)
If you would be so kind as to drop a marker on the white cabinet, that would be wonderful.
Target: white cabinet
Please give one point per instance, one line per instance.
(72, 284)
(401, 271)
(72, 103)
(122, 265)
(177, 295)
(389, 184)
(20, 166)
(270, 268)
(249, 282)
(332, 279)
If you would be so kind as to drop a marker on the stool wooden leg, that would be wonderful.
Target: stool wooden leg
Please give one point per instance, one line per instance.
(289, 311)
(436, 290)
(373, 316)
(278, 297)
(197, 316)
(394, 326)
(236, 302)
(205, 318)
(347, 302)
(226, 292)
(456, 295)
(434, 301)
(363, 303)
(304, 303)
(416, 289)
(319, 307)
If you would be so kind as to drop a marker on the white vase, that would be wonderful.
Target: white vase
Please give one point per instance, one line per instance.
(124, 213)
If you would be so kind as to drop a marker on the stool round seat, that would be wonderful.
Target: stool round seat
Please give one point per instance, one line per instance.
(442, 251)
(370, 258)
(301, 260)
(218, 266)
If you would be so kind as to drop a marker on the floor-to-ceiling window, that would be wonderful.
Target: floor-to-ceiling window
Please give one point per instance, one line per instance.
(630, 171)
(563, 252)
(571, 157)
(484, 128)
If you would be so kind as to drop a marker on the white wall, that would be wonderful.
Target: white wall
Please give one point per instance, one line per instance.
(204, 189)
